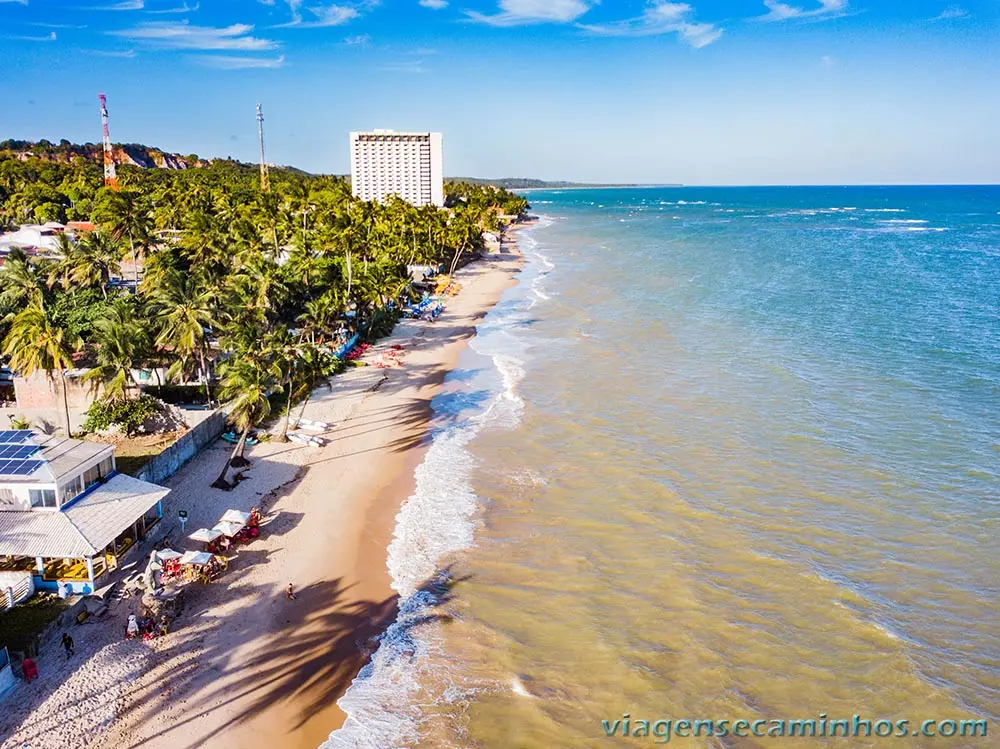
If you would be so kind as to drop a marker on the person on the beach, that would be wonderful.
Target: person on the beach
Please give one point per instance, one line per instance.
(290, 592)
(132, 628)
(163, 625)
(67, 643)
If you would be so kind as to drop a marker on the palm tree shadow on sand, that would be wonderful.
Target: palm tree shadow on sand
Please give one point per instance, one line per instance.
(314, 652)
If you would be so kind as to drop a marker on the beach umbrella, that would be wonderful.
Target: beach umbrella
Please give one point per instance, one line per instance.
(167, 554)
(228, 529)
(235, 516)
(196, 557)
(205, 535)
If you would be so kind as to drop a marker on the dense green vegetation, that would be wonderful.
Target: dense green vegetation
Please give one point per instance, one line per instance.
(243, 291)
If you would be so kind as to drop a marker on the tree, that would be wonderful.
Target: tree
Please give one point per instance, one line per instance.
(185, 309)
(127, 215)
(122, 342)
(246, 383)
(89, 264)
(35, 343)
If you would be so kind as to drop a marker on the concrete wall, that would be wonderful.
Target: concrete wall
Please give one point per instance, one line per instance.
(167, 463)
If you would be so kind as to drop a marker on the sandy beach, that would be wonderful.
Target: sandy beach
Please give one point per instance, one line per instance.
(244, 666)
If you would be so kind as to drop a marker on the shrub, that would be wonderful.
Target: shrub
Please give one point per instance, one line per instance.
(127, 414)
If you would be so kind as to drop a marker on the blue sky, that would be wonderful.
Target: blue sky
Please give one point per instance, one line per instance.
(699, 92)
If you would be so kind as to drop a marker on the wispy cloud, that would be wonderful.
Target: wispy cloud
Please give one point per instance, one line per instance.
(50, 38)
(663, 17)
(321, 16)
(524, 12)
(779, 11)
(828, 61)
(19, 2)
(53, 25)
(951, 13)
(361, 40)
(181, 35)
(124, 5)
(416, 66)
(127, 54)
(434, 4)
(236, 62)
(185, 8)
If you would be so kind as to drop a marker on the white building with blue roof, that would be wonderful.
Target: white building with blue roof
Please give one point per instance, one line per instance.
(66, 514)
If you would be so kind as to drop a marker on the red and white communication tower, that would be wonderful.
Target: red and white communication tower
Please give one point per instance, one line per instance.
(110, 178)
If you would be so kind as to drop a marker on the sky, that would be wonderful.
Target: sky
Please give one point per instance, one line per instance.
(702, 92)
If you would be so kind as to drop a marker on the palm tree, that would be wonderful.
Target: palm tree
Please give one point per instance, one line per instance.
(246, 383)
(36, 343)
(127, 215)
(185, 310)
(90, 263)
(122, 342)
(20, 281)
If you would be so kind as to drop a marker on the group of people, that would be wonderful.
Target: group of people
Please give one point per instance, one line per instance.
(146, 628)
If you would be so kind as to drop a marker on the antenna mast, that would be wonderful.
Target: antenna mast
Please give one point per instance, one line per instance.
(110, 178)
(265, 184)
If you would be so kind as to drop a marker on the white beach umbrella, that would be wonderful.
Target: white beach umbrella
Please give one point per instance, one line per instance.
(205, 535)
(235, 516)
(228, 529)
(167, 554)
(196, 557)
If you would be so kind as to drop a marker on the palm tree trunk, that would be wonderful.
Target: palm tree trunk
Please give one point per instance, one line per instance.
(349, 277)
(135, 266)
(65, 400)
(204, 372)
(223, 482)
(288, 413)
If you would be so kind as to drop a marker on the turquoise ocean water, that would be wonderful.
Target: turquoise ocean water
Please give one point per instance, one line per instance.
(722, 451)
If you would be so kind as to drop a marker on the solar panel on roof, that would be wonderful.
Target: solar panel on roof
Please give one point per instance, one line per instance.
(15, 436)
(19, 467)
(17, 452)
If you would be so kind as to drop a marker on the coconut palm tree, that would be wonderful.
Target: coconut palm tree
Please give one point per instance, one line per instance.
(247, 381)
(20, 282)
(185, 309)
(35, 343)
(90, 263)
(126, 215)
(122, 341)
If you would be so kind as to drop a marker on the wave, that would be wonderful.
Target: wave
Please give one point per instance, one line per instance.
(885, 210)
(905, 221)
(410, 668)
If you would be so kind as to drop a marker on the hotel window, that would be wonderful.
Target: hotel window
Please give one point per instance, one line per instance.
(42, 497)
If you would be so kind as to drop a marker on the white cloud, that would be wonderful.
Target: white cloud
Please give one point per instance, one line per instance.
(51, 37)
(181, 35)
(19, 2)
(434, 4)
(360, 40)
(324, 15)
(124, 5)
(828, 61)
(951, 13)
(185, 8)
(779, 11)
(523, 12)
(128, 53)
(417, 66)
(663, 17)
(234, 62)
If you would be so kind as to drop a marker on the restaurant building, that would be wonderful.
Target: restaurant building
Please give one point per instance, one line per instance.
(66, 514)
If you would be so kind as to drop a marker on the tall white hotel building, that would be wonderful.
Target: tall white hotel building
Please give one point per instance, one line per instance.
(384, 163)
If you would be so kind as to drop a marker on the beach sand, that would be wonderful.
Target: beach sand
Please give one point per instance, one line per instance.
(247, 667)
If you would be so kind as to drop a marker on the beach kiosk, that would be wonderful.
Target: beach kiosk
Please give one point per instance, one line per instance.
(66, 514)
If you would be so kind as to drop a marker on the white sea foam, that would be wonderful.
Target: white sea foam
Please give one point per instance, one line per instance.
(885, 210)
(383, 704)
(905, 221)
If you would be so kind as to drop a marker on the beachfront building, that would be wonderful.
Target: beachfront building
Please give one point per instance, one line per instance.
(384, 163)
(66, 514)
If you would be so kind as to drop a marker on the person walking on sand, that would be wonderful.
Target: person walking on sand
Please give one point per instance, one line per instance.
(290, 592)
(67, 643)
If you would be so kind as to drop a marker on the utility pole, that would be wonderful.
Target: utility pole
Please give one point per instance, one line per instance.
(265, 184)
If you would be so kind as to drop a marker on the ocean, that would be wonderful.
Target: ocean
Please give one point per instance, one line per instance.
(723, 453)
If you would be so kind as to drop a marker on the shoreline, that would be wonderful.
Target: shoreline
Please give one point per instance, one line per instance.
(310, 650)
(244, 667)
